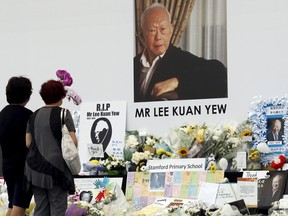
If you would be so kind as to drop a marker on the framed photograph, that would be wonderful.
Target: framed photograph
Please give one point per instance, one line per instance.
(271, 188)
(157, 181)
(269, 119)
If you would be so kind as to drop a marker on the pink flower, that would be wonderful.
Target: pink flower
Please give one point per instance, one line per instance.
(64, 77)
(75, 210)
(72, 95)
(61, 73)
(67, 80)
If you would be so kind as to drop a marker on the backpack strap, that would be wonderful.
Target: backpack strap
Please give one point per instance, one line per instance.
(63, 116)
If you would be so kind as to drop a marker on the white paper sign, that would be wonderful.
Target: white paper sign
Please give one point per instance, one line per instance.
(103, 126)
(191, 164)
(255, 174)
(208, 193)
(95, 150)
(227, 192)
(247, 189)
(241, 160)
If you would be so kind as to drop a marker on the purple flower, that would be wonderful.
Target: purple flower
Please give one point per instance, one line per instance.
(67, 81)
(75, 211)
(61, 74)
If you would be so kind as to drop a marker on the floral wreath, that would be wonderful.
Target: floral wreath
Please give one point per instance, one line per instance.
(259, 115)
(66, 79)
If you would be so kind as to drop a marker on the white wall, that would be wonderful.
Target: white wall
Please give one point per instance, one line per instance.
(93, 40)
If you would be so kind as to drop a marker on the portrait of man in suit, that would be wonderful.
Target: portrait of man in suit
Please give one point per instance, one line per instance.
(163, 71)
(275, 131)
(272, 190)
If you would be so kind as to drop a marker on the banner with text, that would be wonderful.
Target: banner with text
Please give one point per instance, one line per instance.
(102, 131)
(189, 164)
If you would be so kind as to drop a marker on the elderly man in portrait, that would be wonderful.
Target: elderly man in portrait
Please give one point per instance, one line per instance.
(275, 134)
(165, 72)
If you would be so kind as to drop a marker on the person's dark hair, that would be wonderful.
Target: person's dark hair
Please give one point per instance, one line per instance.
(52, 91)
(18, 90)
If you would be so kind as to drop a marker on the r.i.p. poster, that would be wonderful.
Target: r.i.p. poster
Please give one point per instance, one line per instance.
(102, 130)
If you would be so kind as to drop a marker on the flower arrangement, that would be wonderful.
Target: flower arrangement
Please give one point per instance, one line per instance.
(132, 143)
(196, 208)
(162, 153)
(192, 208)
(139, 156)
(261, 113)
(83, 208)
(279, 208)
(182, 140)
(106, 195)
(254, 160)
(150, 143)
(193, 140)
(223, 142)
(173, 210)
(138, 150)
(113, 165)
(244, 129)
(66, 79)
(139, 159)
(93, 166)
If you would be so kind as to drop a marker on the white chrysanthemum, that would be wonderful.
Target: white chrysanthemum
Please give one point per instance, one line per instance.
(216, 138)
(218, 132)
(131, 141)
(138, 156)
(109, 166)
(114, 163)
(150, 141)
(234, 140)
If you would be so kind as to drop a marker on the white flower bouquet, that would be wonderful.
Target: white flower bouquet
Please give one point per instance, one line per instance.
(181, 140)
(113, 165)
(223, 142)
(132, 144)
(140, 156)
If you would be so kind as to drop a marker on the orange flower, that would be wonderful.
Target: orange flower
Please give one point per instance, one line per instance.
(246, 132)
(183, 152)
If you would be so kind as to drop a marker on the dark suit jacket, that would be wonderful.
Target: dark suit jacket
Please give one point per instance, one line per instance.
(198, 78)
(268, 199)
(270, 136)
(277, 196)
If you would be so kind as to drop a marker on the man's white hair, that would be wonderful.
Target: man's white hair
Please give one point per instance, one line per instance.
(151, 7)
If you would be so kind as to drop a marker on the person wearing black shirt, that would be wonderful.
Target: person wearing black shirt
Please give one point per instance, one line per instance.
(13, 122)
